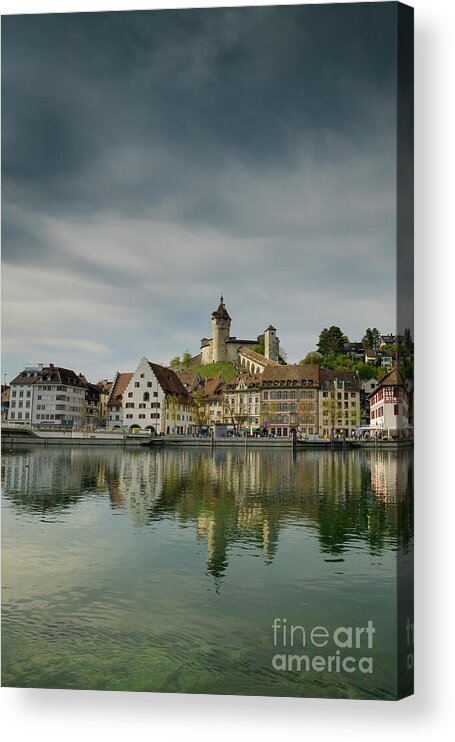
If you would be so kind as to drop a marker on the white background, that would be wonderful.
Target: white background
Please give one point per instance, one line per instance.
(69, 715)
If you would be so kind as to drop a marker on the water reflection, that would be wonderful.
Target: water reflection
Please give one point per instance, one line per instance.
(230, 498)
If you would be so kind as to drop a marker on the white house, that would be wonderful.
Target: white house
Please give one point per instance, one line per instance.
(389, 404)
(21, 395)
(156, 400)
(48, 396)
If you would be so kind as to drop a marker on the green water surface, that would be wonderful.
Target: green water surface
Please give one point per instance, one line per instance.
(164, 570)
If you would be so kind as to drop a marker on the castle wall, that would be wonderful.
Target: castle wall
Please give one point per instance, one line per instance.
(206, 354)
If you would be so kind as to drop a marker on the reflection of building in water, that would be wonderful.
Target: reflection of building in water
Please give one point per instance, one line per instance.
(389, 475)
(135, 483)
(235, 499)
(339, 474)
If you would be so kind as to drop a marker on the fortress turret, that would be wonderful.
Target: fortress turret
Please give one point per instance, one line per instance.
(271, 344)
(221, 326)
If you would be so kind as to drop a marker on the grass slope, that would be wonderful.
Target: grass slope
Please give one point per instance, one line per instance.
(226, 370)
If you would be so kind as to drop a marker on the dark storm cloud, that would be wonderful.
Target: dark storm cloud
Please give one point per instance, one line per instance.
(181, 90)
(262, 135)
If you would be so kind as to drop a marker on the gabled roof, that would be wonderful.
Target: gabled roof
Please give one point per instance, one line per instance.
(213, 387)
(329, 377)
(257, 357)
(297, 372)
(189, 379)
(169, 382)
(251, 381)
(23, 379)
(393, 378)
(119, 385)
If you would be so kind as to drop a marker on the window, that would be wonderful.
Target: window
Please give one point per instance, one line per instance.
(395, 409)
(136, 384)
(142, 376)
(129, 417)
(155, 394)
(146, 397)
(13, 394)
(141, 417)
(130, 394)
(149, 383)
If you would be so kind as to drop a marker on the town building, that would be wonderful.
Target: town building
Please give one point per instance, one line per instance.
(155, 400)
(242, 403)
(92, 415)
(389, 404)
(21, 395)
(379, 357)
(59, 398)
(105, 387)
(366, 388)
(223, 347)
(339, 403)
(47, 396)
(289, 400)
(5, 401)
(114, 402)
(214, 399)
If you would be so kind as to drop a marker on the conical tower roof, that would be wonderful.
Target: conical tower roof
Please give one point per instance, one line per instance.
(221, 312)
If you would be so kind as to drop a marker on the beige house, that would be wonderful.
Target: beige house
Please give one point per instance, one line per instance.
(105, 387)
(242, 403)
(339, 403)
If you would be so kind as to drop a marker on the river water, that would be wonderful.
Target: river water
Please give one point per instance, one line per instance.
(167, 569)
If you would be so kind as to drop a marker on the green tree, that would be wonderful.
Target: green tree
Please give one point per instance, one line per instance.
(372, 338)
(407, 339)
(331, 341)
(200, 408)
(282, 356)
(175, 362)
(186, 359)
(260, 345)
(313, 357)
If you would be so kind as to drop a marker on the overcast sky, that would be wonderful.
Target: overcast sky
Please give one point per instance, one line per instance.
(153, 159)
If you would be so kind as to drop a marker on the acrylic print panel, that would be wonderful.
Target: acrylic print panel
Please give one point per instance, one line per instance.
(231, 514)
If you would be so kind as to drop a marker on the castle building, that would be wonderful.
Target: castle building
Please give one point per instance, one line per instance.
(223, 347)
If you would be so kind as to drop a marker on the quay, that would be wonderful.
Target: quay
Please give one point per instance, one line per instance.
(25, 436)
